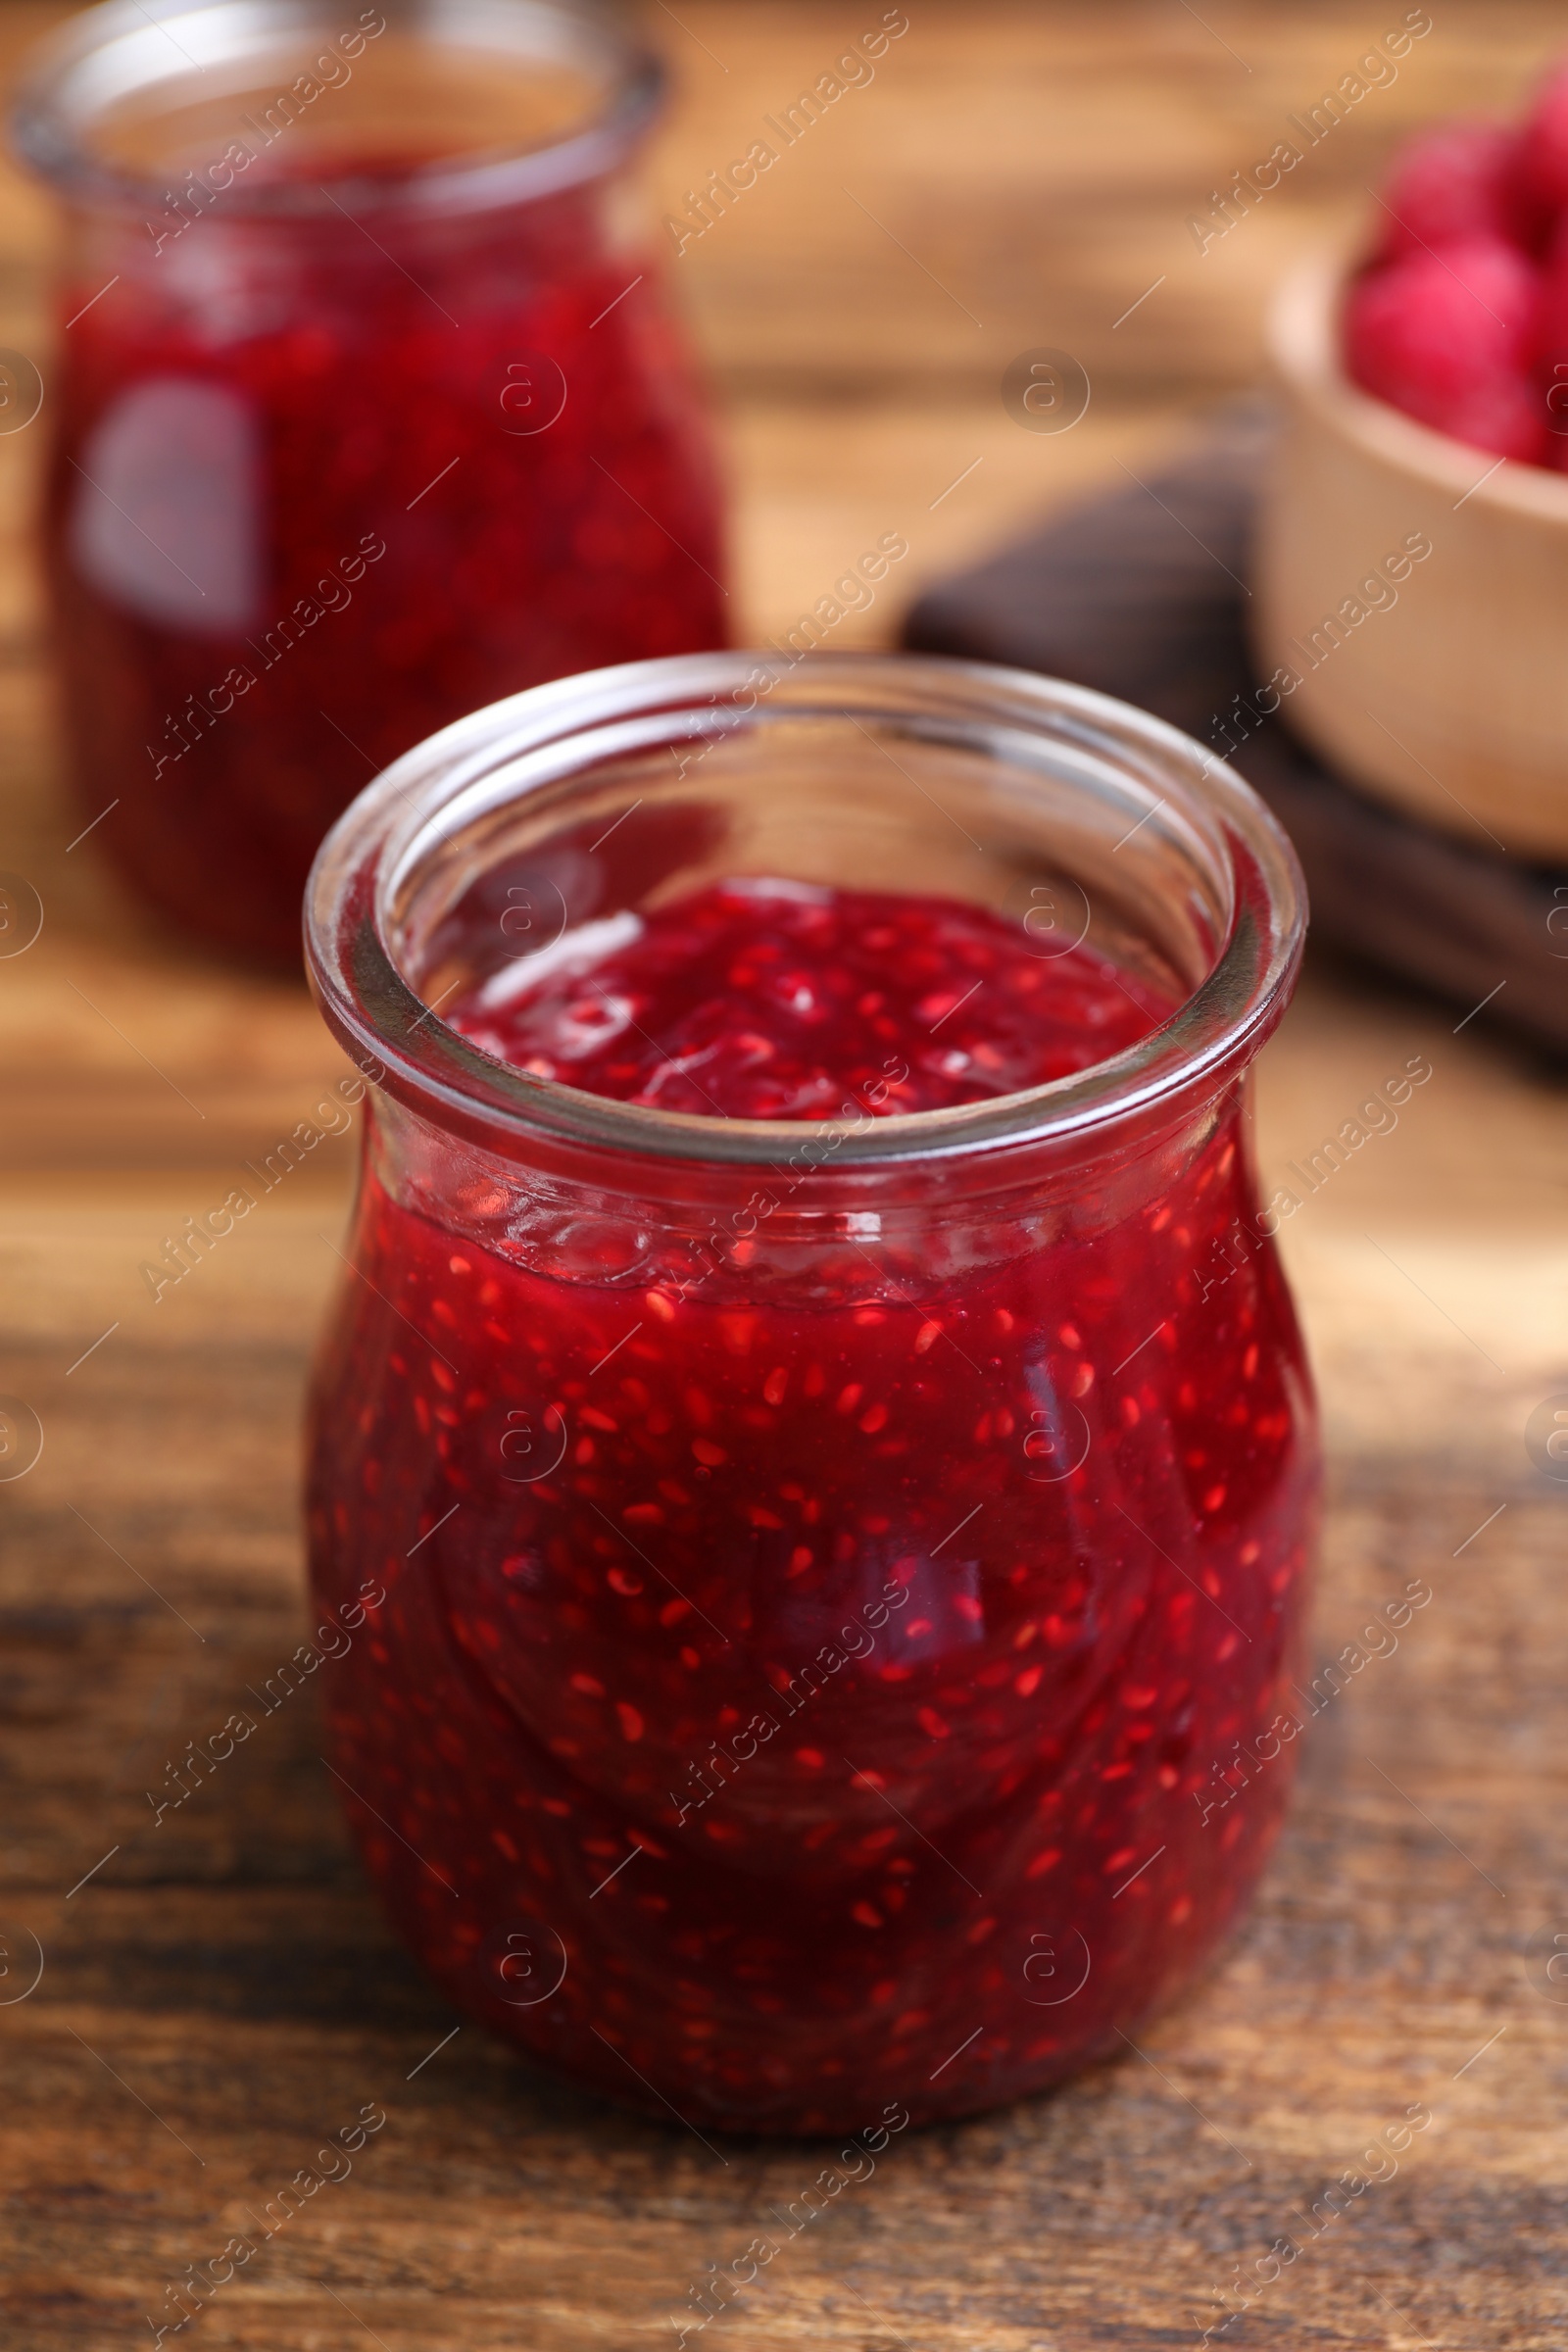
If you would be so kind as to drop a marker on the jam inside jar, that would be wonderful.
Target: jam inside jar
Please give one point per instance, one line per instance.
(815, 1435)
(368, 410)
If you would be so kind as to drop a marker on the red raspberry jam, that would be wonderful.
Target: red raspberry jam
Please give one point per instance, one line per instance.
(777, 1706)
(318, 491)
(772, 1000)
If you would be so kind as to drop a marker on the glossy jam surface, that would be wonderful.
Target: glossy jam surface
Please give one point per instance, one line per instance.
(767, 1000)
(809, 1686)
(316, 493)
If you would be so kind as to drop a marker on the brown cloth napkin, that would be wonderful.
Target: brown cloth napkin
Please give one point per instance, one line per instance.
(1141, 594)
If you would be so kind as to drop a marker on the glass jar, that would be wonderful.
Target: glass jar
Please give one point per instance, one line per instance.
(367, 409)
(829, 1591)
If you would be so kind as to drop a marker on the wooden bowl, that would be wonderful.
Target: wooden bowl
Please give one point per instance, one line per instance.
(1437, 680)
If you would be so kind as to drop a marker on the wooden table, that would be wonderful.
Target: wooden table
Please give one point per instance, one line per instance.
(218, 1993)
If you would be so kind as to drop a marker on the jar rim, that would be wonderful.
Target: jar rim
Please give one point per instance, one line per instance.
(107, 52)
(390, 1032)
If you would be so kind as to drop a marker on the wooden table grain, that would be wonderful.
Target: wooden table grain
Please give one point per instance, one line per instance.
(218, 1990)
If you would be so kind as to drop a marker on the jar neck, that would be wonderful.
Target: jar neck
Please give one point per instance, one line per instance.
(797, 1230)
(804, 770)
(228, 274)
(279, 109)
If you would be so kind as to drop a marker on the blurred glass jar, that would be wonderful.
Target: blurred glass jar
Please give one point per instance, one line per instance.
(366, 411)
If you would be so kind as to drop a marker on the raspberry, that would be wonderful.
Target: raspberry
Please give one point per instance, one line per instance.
(1554, 345)
(1461, 180)
(1450, 338)
(1544, 143)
